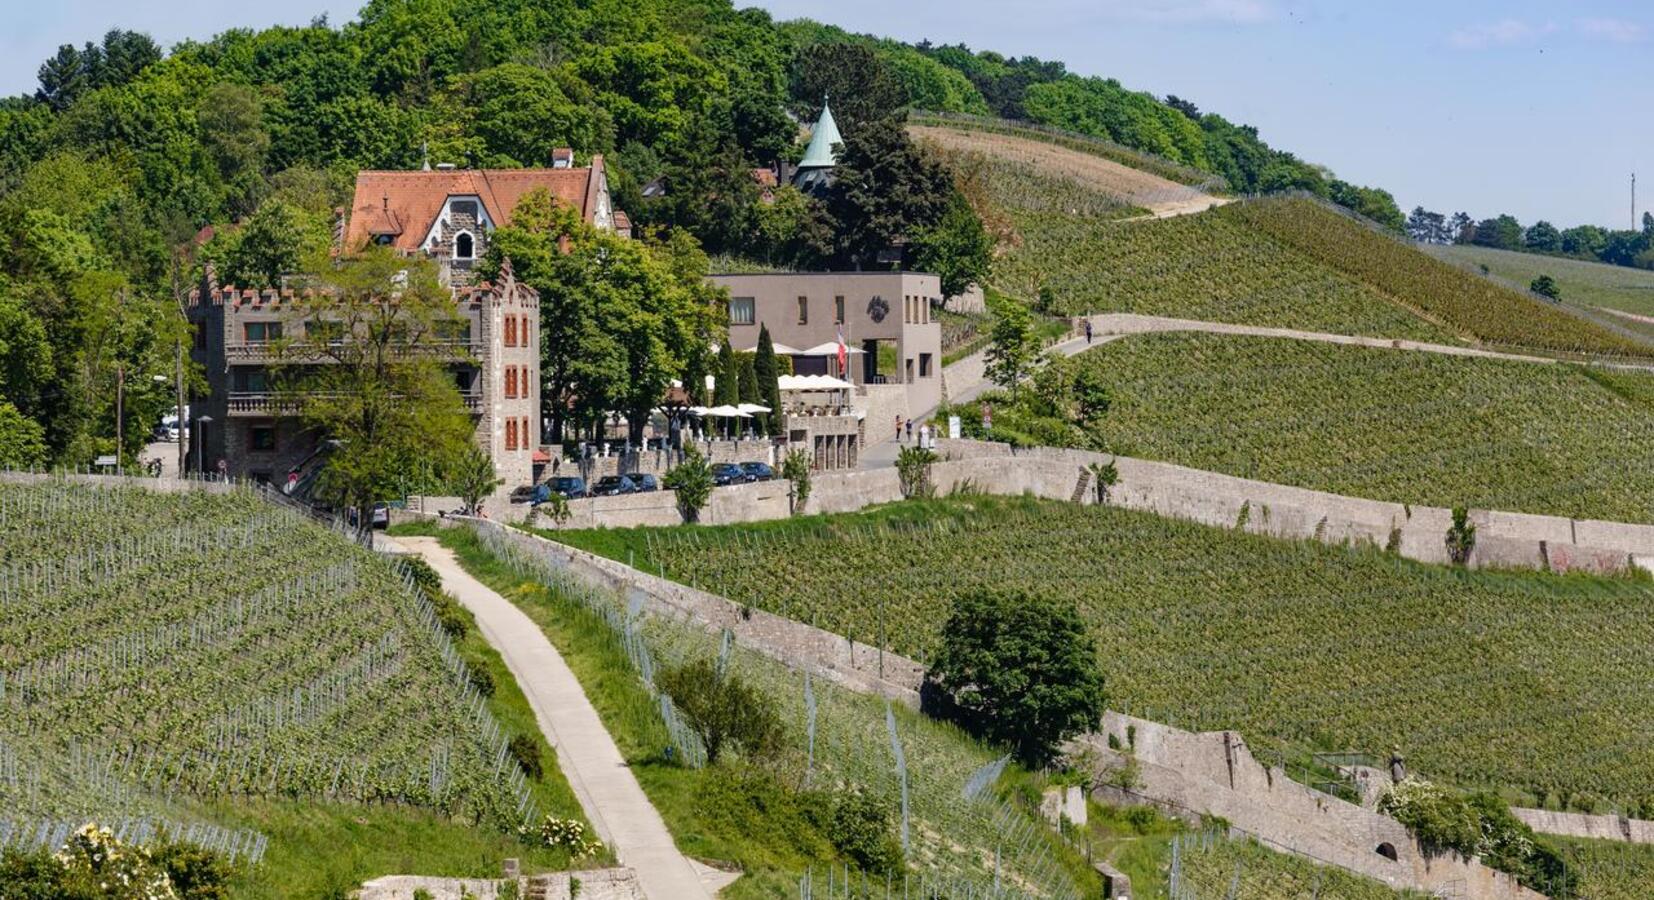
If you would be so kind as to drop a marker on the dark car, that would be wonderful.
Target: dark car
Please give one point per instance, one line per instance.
(645, 483)
(727, 473)
(529, 493)
(572, 487)
(757, 471)
(613, 485)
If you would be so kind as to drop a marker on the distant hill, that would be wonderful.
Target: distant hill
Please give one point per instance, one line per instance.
(1583, 282)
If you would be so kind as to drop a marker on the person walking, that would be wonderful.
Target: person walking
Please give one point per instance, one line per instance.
(898, 428)
(910, 429)
(1088, 332)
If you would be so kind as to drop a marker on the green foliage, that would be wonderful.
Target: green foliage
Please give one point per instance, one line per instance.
(526, 751)
(796, 470)
(514, 115)
(913, 469)
(472, 478)
(957, 248)
(1012, 348)
(1545, 286)
(691, 481)
(22, 440)
(1461, 537)
(269, 247)
(1215, 866)
(1491, 696)
(1478, 825)
(767, 377)
(195, 873)
(723, 709)
(859, 86)
(1579, 282)
(1455, 431)
(1103, 108)
(1020, 670)
(861, 829)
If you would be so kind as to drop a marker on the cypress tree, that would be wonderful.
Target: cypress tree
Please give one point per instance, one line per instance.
(769, 388)
(726, 390)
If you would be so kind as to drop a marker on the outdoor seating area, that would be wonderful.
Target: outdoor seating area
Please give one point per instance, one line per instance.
(815, 395)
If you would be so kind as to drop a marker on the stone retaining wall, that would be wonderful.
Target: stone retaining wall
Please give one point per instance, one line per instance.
(1602, 828)
(1214, 774)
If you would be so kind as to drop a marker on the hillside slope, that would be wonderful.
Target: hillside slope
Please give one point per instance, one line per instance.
(1401, 426)
(1583, 282)
(212, 652)
(1524, 680)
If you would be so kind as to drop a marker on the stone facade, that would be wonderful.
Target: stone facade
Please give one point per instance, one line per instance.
(240, 420)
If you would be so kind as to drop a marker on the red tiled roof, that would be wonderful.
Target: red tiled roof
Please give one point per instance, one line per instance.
(405, 204)
(764, 177)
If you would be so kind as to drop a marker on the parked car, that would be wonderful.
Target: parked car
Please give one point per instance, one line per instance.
(529, 493)
(613, 485)
(381, 516)
(727, 473)
(572, 487)
(757, 471)
(645, 483)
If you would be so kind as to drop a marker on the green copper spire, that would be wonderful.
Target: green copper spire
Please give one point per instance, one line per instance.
(819, 155)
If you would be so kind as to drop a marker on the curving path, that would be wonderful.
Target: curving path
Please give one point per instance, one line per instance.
(608, 792)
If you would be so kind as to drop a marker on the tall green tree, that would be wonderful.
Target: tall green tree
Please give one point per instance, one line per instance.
(769, 381)
(1013, 347)
(956, 247)
(886, 191)
(851, 78)
(387, 411)
(1021, 670)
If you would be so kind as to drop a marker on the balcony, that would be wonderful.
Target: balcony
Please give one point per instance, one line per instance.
(271, 351)
(267, 404)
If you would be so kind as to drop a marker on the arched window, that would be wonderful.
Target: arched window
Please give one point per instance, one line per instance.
(510, 434)
(465, 247)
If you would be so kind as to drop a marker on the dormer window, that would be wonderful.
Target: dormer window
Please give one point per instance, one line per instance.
(465, 246)
(467, 208)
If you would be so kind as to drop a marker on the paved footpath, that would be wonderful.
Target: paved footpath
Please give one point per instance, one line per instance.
(608, 792)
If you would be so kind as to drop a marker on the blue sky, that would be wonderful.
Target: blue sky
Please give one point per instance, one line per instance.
(1537, 109)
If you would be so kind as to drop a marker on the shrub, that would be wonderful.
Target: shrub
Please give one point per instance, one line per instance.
(1480, 825)
(913, 468)
(425, 578)
(526, 751)
(691, 479)
(796, 469)
(1461, 537)
(1106, 475)
(482, 680)
(861, 830)
(723, 709)
(1021, 670)
(196, 872)
(94, 865)
(569, 834)
(1546, 286)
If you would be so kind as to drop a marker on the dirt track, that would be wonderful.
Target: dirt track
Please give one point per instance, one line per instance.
(1161, 197)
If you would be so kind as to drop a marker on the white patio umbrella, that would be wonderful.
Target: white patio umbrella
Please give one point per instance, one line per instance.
(726, 411)
(752, 408)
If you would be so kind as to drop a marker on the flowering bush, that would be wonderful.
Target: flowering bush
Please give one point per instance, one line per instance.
(96, 862)
(569, 833)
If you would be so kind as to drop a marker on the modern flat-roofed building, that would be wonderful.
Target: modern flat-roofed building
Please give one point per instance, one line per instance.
(894, 344)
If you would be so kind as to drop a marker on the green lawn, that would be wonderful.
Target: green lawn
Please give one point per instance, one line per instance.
(1400, 426)
(1508, 680)
(1583, 283)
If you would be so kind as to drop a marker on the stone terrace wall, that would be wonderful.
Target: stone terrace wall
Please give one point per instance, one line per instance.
(1503, 539)
(1602, 828)
(1215, 774)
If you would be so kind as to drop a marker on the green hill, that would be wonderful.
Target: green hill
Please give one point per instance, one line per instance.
(201, 656)
(1523, 681)
(1583, 283)
(1402, 426)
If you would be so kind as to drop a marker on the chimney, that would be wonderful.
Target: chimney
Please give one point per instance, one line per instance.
(562, 158)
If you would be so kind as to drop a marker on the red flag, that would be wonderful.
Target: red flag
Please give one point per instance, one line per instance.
(843, 354)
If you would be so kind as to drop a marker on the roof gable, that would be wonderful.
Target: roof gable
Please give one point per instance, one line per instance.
(405, 205)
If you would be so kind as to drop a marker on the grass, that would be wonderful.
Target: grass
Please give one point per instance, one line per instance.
(1506, 680)
(1608, 870)
(759, 816)
(1406, 427)
(1212, 866)
(1583, 282)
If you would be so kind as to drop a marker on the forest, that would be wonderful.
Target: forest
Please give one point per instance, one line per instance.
(131, 166)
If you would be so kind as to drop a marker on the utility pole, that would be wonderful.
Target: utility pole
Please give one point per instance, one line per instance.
(1633, 201)
(120, 384)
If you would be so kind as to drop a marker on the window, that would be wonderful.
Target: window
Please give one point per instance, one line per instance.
(252, 380)
(261, 332)
(464, 246)
(527, 445)
(463, 208)
(331, 332)
(924, 365)
(510, 382)
(511, 331)
(742, 311)
(838, 310)
(261, 438)
(910, 371)
(510, 434)
(458, 332)
(804, 310)
(200, 335)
